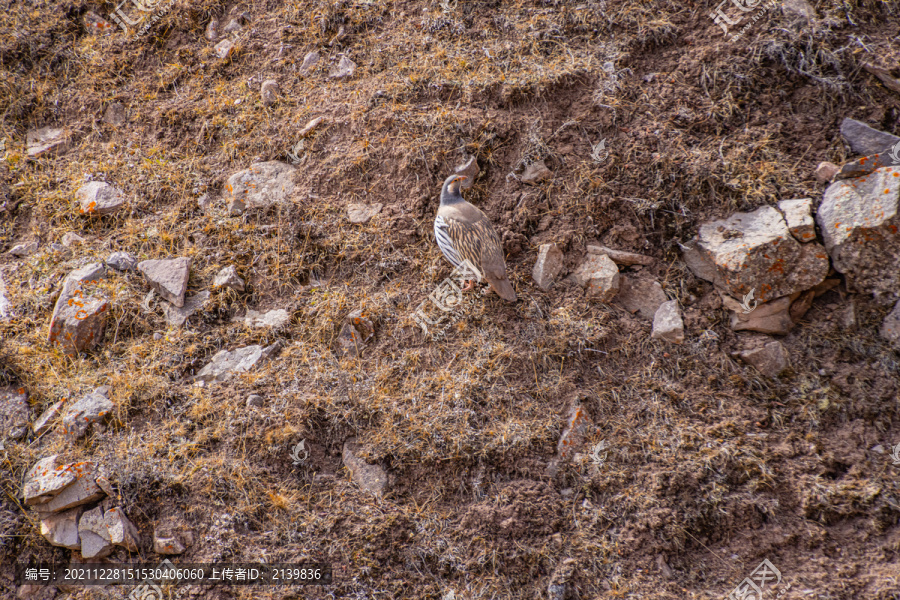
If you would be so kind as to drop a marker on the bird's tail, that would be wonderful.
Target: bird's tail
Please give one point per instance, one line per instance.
(503, 288)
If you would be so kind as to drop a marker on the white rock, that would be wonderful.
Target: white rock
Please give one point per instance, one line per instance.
(668, 324)
(70, 239)
(273, 319)
(798, 216)
(61, 529)
(262, 185)
(99, 198)
(548, 266)
(361, 213)
(599, 275)
(25, 249)
(226, 363)
(223, 48)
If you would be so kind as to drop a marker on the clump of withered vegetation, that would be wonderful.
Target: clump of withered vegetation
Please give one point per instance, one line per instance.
(709, 468)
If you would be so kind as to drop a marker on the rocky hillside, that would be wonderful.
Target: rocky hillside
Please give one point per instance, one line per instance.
(227, 334)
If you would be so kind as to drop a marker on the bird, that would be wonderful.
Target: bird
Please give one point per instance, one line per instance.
(463, 233)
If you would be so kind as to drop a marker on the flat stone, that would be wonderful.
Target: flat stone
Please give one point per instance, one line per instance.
(548, 266)
(771, 359)
(228, 277)
(370, 478)
(536, 173)
(700, 264)
(262, 185)
(99, 198)
(471, 170)
(43, 422)
(309, 63)
(865, 140)
(224, 48)
(861, 228)
(890, 327)
(25, 249)
(95, 540)
(89, 409)
(168, 277)
(121, 261)
(621, 257)
(79, 316)
(225, 363)
(61, 529)
(121, 530)
(70, 239)
(255, 400)
(599, 275)
(640, 295)
(361, 213)
(83, 486)
(13, 413)
(826, 171)
(869, 164)
(45, 480)
(798, 216)
(115, 115)
(345, 69)
(177, 317)
(273, 319)
(311, 126)
(668, 324)
(46, 140)
(269, 92)
(771, 317)
(756, 251)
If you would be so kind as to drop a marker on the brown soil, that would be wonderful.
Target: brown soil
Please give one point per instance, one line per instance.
(711, 467)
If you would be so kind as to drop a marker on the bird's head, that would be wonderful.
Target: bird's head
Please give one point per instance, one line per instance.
(450, 191)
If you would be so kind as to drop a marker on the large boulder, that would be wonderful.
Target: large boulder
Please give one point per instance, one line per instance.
(755, 251)
(861, 228)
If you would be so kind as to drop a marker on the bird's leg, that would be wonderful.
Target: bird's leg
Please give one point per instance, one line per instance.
(470, 285)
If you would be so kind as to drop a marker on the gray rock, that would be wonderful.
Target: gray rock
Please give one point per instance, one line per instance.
(370, 478)
(70, 239)
(262, 185)
(171, 537)
(361, 213)
(868, 164)
(641, 295)
(826, 171)
(5, 305)
(25, 249)
(345, 69)
(178, 316)
(114, 115)
(621, 257)
(771, 359)
(212, 30)
(309, 63)
(273, 319)
(890, 327)
(46, 140)
(79, 316)
(756, 252)
(536, 173)
(865, 140)
(798, 216)
(471, 170)
(224, 48)
(46, 479)
(121, 261)
(668, 324)
(168, 277)
(860, 225)
(13, 413)
(121, 530)
(89, 409)
(255, 400)
(95, 541)
(697, 261)
(61, 529)
(226, 363)
(43, 422)
(228, 277)
(99, 198)
(233, 26)
(599, 275)
(269, 92)
(548, 266)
